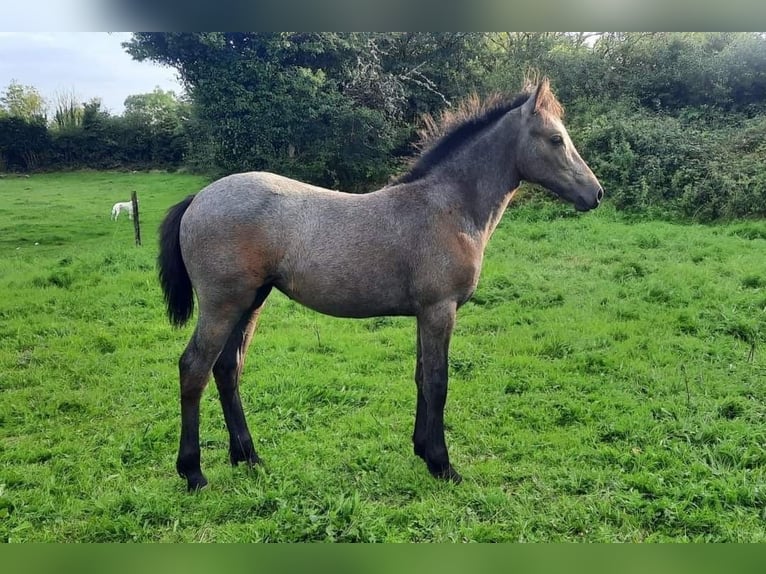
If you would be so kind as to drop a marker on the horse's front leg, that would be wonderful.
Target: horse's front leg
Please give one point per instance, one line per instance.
(419, 434)
(435, 326)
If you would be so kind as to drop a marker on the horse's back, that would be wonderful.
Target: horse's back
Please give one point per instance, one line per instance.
(239, 190)
(273, 200)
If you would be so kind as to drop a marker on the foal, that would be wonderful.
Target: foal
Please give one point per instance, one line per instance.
(413, 248)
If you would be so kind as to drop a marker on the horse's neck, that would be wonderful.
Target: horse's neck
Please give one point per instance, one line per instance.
(486, 178)
(496, 216)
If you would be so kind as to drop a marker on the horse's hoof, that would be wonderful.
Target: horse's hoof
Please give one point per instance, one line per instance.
(195, 480)
(454, 476)
(449, 474)
(197, 483)
(189, 469)
(249, 457)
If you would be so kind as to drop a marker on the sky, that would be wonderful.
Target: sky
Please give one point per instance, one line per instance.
(90, 64)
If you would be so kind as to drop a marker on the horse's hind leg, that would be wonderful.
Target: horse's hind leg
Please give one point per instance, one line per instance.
(213, 329)
(227, 370)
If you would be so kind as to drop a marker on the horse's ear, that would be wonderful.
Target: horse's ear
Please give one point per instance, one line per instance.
(543, 92)
(532, 105)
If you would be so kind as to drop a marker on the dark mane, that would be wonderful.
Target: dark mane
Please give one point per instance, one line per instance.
(441, 138)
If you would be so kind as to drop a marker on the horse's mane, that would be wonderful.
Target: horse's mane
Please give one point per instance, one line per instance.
(440, 137)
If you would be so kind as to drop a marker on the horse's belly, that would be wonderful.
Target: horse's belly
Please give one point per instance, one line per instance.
(349, 302)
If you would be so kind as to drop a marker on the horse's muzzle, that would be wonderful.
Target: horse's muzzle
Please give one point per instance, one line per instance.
(593, 203)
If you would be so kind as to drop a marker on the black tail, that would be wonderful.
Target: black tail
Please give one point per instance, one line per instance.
(174, 278)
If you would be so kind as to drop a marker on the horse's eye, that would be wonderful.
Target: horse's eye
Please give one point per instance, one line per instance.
(557, 140)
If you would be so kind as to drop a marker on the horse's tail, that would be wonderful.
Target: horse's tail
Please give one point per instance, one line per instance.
(174, 278)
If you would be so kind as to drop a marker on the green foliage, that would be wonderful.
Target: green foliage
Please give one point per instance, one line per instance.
(24, 144)
(23, 102)
(155, 107)
(687, 166)
(68, 115)
(672, 70)
(151, 133)
(157, 124)
(602, 389)
(275, 101)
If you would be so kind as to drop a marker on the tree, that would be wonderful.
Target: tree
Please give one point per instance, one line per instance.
(155, 107)
(436, 68)
(277, 101)
(157, 124)
(24, 102)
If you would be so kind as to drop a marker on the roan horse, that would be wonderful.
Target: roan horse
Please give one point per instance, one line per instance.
(413, 248)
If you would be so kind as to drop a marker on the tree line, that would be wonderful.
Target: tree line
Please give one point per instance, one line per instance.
(151, 133)
(672, 123)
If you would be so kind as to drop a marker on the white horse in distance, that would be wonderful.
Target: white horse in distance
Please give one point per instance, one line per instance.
(121, 206)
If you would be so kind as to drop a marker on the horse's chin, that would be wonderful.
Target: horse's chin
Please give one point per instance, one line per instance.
(582, 205)
(579, 203)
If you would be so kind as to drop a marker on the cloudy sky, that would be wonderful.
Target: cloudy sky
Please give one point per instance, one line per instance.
(90, 64)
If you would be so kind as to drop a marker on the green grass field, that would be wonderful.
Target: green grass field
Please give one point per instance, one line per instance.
(607, 384)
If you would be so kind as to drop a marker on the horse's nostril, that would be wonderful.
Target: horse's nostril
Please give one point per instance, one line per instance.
(600, 194)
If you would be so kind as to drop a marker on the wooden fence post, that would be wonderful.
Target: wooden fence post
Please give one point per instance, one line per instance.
(136, 223)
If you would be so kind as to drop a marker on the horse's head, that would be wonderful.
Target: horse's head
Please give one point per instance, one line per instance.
(547, 156)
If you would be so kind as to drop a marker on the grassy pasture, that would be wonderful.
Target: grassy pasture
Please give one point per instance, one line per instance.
(607, 384)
